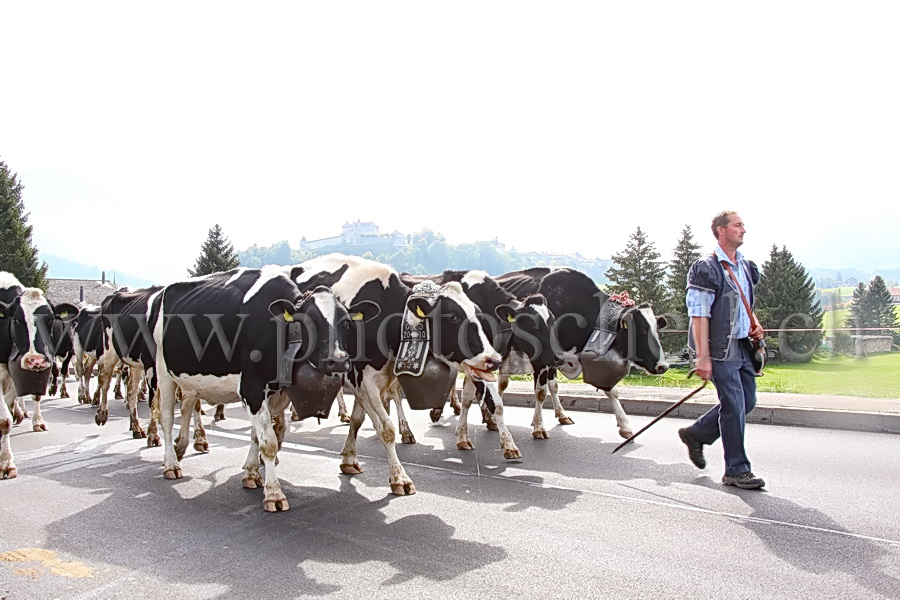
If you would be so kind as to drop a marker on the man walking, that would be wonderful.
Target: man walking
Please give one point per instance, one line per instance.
(720, 333)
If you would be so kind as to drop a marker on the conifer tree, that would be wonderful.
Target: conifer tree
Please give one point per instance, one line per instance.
(17, 253)
(859, 315)
(786, 299)
(216, 254)
(639, 271)
(880, 304)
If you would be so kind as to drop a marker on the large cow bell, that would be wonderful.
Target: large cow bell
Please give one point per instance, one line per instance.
(431, 388)
(312, 392)
(28, 383)
(603, 370)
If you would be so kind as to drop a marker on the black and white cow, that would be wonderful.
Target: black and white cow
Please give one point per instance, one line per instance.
(463, 345)
(219, 337)
(511, 326)
(61, 336)
(25, 323)
(577, 301)
(87, 342)
(127, 338)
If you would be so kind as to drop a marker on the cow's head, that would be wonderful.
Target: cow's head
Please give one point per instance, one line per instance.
(326, 326)
(30, 319)
(637, 338)
(532, 328)
(457, 334)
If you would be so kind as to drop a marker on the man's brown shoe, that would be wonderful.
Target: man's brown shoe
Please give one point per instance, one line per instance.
(745, 481)
(695, 448)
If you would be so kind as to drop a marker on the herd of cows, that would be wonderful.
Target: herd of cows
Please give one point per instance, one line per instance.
(281, 337)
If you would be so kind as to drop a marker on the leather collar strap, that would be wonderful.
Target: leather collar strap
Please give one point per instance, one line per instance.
(754, 322)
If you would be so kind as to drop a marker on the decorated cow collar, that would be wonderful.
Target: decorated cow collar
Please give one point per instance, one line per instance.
(415, 334)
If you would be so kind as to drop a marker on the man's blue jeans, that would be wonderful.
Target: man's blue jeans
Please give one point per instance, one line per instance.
(736, 386)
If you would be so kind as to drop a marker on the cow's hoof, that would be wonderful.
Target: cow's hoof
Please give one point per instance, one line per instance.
(408, 438)
(64, 394)
(540, 435)
(119, 395)
(101, 417)
(173, 473)
(435, 414)
(39, 427)
(51, 392)
(466, 445)
(138, 434)
(276, 505)
(18, 418)
(626, 433)
(456, 410)
(492, 426)
(512, 454)
(201, 446)
(9, 473)
(345, 418)
(218, 417)
(566, 421)
(153, 440)
(295, 416)
(252, 483)
(403, 489)
(351, 469)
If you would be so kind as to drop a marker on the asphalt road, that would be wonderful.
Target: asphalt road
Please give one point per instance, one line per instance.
(90, 515)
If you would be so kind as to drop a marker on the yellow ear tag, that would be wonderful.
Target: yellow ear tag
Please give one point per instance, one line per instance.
(356, 317)
(288, 317)
(510, 318)
(624, 324)
(63, 315)
(419, 312)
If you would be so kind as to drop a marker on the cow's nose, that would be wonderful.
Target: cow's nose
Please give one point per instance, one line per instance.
(336, 365)
(662, 368)
(490, 364)
(36, 363)
(558, 360)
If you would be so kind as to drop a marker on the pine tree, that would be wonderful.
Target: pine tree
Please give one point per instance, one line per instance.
(17, 254)
(685, 254)
(859, 315)
(786, 299)
(880, 304)
(216, 254)
(639, 271)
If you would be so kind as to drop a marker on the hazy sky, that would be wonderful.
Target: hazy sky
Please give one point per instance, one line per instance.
(556, 126)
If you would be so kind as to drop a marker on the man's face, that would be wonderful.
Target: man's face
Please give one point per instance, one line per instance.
(733, 233)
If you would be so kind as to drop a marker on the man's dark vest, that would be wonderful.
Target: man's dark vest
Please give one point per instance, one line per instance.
(708, 274)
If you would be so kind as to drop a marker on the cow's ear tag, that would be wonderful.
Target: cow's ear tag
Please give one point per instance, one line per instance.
(356, 316)
(419, 312)
(2, 315)
(624, 324)
(63, 315)
(288, 317)
(510, 318)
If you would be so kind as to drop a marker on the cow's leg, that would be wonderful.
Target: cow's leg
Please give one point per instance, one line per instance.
(436, 413)
(153, 426)
(350, 462)
(104, 378)
(166, 398)
(406, 434)
(252, 479)
(19, 413)
(54, 373)
(220, 413)
(132, 387)
(142, 392)
(621, 418)
(558, 410)
(121, 372)
(7, 397)
(507, 443)
(85, 369)
(343, 415)
(367, 395)
(462, 426)
(64, 374)
(537, 423)
(454, 402)
(267, 440)
(37, 421)
(189, 402)
(201, 444)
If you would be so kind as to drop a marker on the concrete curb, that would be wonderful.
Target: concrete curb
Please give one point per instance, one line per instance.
(773, 415)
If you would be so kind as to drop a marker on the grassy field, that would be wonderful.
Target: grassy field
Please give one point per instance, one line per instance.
(876, 376)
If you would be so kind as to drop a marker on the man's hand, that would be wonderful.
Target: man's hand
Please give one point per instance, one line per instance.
(704, 368)
(757, 332)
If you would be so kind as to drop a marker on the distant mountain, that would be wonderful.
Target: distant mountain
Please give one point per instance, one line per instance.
(64, 268)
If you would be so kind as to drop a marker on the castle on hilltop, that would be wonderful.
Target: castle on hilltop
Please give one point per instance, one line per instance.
(358, 233)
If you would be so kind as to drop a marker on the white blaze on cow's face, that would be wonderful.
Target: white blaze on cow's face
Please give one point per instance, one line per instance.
(335, 316)
(30, 308)
(461, 339)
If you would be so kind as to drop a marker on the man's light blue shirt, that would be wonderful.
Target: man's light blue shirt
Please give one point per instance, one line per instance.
(699, 302)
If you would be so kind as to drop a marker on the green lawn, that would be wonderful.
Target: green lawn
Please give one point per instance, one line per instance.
(877, 376)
